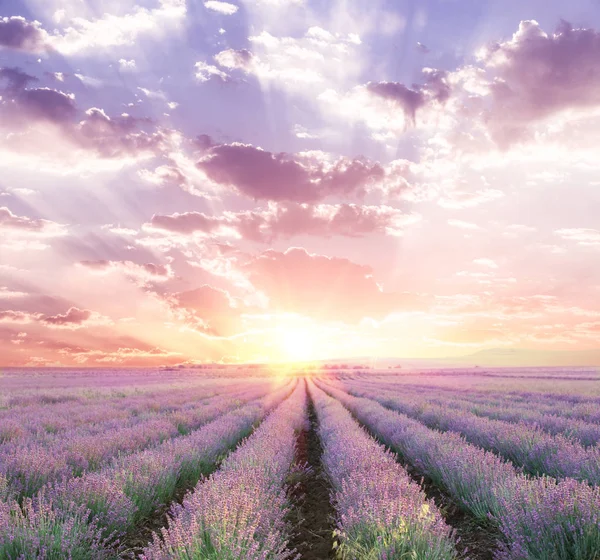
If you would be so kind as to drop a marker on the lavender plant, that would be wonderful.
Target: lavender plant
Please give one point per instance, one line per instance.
(238, 513)
(381, 512)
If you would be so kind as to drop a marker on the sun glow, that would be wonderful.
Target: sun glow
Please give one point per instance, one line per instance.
(297, 345)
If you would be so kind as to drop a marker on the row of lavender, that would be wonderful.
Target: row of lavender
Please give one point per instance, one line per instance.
(576, 407)
(30, 464)
(33, 389)
(527, 446)
(557, 419)
(42, 421)
(381, 513)
(239, 513)
(85, 517)
(536, 517)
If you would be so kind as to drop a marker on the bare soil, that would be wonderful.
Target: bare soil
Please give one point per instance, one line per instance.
(312, 516)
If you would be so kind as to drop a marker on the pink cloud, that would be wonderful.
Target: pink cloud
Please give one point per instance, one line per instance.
(536, 74)
(264, 175)
(291, 219)
(208, 309)
(324, 287)
(19, 34)
(147, 272)
(20, 317)
(10, 221)
(73, 317)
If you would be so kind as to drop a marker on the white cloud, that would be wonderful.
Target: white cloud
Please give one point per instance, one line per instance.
(582, 236)
(205, 72)
(127, 64)
(489, 263)
(81, 34)
(224, 8)
(463, 225)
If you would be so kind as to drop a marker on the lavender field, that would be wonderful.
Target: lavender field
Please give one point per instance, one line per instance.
(256, 464)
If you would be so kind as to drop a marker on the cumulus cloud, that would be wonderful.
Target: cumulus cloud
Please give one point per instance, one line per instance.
(241, 59)
(265, 175)
(43, 122)
(19, 34)
(298, 64)
(289, 220)
(536, 74)
(328, 288)
(81, 35)
(224, 8)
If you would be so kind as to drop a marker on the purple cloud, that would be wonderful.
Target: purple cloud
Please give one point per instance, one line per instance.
(19, 34)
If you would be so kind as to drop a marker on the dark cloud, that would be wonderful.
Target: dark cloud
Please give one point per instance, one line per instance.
(24, 109)
(16, 79)
(19, 34)
(435, 89)
(290, 219)
(264, 175)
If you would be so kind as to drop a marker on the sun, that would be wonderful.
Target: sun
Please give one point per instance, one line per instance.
(297, 345)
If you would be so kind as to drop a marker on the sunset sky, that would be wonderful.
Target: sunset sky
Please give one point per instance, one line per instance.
(187, 180)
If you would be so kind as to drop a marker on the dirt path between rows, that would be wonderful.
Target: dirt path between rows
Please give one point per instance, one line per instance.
(312, 518)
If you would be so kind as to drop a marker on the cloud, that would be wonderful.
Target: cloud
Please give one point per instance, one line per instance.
(19, 317)
(328, 288)
(110, 30)
(489, 263)
(6, 293)
(140, 273)
(73, 319)
(289, 220)
(16, 79)
(209, 310)
(241, 59)
(534, 75)
(435, 89)
(457, 199)
(206, 72)
(19, 34)
(23, 224)
(264, 175)
(224, 8)
(304, 65)
(463, 225)
(585, 237)
(42, 122)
